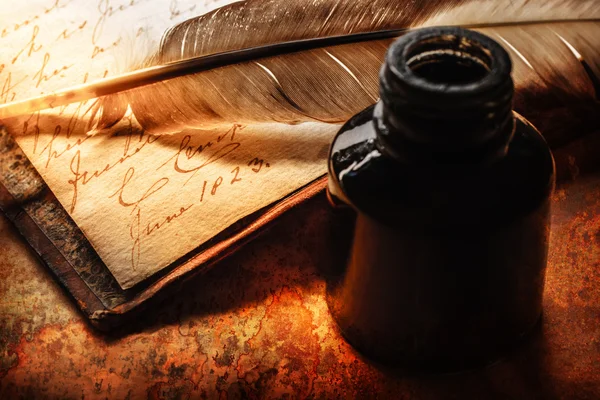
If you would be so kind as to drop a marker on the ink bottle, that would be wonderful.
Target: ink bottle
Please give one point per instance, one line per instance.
(443, 193)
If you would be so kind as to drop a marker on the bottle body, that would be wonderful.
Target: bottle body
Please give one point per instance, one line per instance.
(445, 268)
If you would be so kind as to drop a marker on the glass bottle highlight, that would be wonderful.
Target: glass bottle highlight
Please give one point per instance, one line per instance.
(448, 192)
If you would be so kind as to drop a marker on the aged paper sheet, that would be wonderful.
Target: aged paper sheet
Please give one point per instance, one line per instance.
(142, 200)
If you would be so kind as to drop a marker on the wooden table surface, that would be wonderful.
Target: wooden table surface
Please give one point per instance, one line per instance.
(257, 326)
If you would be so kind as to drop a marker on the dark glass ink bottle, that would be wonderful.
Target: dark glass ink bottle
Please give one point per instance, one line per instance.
(442, 200)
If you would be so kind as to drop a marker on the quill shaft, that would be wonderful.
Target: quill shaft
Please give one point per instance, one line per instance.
(150, 75)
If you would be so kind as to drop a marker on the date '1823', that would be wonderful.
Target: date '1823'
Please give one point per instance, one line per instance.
(142, 226)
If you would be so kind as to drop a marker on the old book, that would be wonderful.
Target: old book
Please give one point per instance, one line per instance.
(120, 216)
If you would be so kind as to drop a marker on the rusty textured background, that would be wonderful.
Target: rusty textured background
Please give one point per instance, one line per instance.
(257, 326)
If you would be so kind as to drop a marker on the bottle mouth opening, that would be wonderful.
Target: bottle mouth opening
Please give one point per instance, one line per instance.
(445, 61)
(449, 60)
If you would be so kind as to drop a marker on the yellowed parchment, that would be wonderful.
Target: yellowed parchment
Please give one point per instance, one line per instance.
(143, 201)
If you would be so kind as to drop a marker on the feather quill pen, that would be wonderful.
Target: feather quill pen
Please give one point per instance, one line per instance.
(255, 61)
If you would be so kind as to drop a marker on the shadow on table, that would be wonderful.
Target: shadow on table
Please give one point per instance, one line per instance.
(286, 256)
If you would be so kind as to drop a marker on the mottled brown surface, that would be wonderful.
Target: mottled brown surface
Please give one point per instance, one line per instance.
(257, 327)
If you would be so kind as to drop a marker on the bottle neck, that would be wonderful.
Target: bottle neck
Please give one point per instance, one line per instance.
(445, 98)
